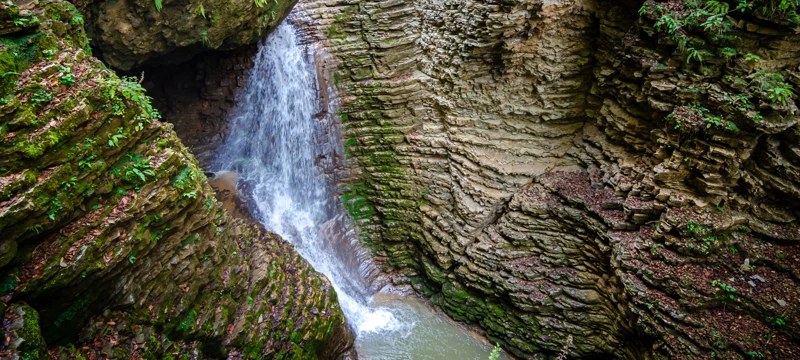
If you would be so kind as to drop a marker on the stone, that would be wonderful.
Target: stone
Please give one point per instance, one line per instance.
(476, 130)
(117, 232)
(130, 33)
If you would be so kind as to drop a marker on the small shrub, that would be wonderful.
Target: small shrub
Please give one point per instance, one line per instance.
(495, 352)
(67, 79)
(41, 97)
(773, 84)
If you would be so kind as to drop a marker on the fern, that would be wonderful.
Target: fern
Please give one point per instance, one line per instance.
(204, 36)
(717, 8)
(158, 4)
(694, 54)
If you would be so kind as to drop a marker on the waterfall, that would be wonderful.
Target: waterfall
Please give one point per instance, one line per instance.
(276, 145)
(272, 148)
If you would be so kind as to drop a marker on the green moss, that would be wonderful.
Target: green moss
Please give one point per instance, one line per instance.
(188, 322)
(9, 282)
(73, 312)
(32, 346)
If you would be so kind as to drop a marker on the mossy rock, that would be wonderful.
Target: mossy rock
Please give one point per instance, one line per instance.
(104, 208)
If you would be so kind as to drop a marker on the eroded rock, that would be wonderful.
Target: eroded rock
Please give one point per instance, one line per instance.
(111, 232)
(517, 161)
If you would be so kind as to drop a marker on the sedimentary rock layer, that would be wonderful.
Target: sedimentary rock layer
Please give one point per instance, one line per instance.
(560, 174)
(112, 243)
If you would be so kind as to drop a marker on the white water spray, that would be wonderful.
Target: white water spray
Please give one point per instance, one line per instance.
(272, 147)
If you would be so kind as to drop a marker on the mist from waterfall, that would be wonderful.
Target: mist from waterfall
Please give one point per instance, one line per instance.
(271, 146)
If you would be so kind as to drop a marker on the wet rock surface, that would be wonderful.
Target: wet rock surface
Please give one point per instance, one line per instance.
(112, 244)
(128, 33)
(520, 162)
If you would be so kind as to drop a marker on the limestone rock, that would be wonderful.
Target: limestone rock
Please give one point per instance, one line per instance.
(517, 161)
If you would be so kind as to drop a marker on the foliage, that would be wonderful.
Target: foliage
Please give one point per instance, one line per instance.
(67, 79)
(187, 323)
(86, 163)
(702, 28)
(139, 168)
(77, 20)
(730, 290)
(54, 208)
(204, 36)
(692, 118)
(495, 352)
(41, 97)
(119, 90)
(773, 84)
(113, 139)
(66, 185)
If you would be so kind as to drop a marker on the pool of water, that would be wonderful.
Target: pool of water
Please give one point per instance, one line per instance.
(423, 333)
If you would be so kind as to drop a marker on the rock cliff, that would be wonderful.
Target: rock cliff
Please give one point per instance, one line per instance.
(615, 178)
(129, 33)
(112, 244)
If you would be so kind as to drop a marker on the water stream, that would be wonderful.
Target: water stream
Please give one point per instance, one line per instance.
(275, 147)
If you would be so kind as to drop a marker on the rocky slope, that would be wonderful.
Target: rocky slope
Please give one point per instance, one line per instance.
(112, 244)
(576, 174)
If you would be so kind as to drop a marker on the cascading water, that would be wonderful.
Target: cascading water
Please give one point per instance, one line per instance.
(273, 147)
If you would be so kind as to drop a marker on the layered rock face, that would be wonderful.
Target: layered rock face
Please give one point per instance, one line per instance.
(563, 175)
(129, 33)
(112, 244)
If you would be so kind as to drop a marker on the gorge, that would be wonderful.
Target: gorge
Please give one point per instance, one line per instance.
(572, 178)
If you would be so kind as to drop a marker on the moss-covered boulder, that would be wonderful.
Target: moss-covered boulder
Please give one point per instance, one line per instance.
(23, 338)
(131, 32)
(111, 232)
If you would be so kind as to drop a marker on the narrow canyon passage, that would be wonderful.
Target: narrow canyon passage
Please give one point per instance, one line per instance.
(276, 140)
(589, 179)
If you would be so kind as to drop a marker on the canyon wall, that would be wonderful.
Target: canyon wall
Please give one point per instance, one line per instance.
(569, 175)
(112, 243)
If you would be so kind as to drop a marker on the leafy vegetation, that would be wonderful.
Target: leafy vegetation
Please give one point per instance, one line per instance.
(139, 168)
(495, 354)
(729, 290)
(113, 139)
(705, 29)
(692, 118)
